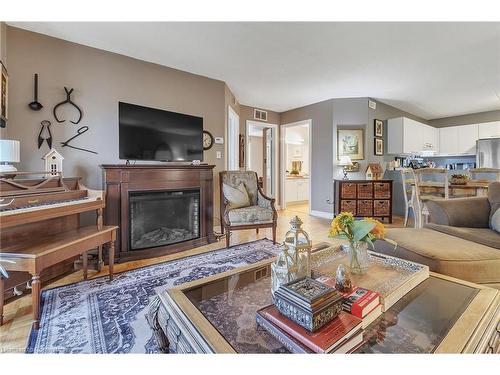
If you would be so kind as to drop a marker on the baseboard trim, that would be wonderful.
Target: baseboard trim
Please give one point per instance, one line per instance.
(322, 214)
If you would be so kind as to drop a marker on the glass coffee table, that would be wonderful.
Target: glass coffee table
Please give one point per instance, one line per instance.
(217, 315)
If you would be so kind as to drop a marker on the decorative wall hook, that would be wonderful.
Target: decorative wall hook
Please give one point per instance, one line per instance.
(69, 101)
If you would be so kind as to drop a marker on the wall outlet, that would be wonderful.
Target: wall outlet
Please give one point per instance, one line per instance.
(218, 155)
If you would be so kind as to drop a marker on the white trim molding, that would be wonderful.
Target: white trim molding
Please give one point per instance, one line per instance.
(322, 214)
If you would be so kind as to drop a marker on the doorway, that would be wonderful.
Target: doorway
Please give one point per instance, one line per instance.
(296, 149)
(233, 139)
(262, 154)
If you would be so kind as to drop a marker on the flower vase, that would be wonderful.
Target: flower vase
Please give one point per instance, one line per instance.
(358, 257)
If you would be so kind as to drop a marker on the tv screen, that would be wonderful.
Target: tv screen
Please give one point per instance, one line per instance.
(155, 134)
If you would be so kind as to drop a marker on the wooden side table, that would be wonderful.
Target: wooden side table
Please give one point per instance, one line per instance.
(40, 253)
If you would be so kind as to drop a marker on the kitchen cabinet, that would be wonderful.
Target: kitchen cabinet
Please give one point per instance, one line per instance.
(407, 136)
(458, 140)
(296, 189)
(489, 130)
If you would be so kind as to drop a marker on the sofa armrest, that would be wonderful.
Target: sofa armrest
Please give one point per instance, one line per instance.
(460, 212)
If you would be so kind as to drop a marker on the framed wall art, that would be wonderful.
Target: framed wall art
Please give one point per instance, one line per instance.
(4, 94)
(379, 146)
(378, 128)
(350, 142)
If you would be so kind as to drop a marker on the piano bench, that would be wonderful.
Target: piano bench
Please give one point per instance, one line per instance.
(37, 254)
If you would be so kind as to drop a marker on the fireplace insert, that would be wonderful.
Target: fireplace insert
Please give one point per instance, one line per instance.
(159, 218)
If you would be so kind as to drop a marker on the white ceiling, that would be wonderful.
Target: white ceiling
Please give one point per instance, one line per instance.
(429, 69)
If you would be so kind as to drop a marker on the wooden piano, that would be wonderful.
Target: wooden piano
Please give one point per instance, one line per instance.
(40, 231)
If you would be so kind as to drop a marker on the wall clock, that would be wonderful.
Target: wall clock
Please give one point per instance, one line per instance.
(208, 140)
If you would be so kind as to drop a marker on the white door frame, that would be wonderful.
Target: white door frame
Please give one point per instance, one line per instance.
(283, 159)
(232, 136)
(276, 134)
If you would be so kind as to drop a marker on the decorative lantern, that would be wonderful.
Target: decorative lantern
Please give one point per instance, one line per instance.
(283, 269)
(300, 246)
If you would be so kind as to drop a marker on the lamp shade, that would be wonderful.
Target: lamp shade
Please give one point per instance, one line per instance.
(9, 151)
(345, 161)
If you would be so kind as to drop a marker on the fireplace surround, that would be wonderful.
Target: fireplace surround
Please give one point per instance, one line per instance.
(160, 208)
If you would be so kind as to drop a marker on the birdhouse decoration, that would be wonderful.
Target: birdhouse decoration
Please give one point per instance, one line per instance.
(300, 246)
(53, 161)
(374, 172)
(283, 269)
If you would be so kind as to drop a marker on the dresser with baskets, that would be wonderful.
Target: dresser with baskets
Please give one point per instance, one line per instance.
(364, 198)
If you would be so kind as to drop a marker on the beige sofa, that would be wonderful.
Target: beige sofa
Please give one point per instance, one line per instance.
(458, 241)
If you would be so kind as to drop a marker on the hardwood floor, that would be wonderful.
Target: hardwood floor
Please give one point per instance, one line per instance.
(18, 313)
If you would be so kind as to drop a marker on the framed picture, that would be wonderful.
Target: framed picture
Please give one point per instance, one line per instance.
(379, 146)
(350, 142)
(4, 92)
(241, 151)
(354, 167)
(378, 128)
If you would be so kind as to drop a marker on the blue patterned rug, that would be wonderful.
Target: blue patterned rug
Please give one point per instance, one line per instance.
(98, 316)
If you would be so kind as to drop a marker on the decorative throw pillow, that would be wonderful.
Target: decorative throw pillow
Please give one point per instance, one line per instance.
(237, 197)
(495, 221)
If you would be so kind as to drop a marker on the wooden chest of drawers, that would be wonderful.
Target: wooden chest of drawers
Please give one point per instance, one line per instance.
(364, 198)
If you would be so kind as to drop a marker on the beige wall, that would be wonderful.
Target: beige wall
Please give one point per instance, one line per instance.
(246, 113)
(101, 79)
(473, 118)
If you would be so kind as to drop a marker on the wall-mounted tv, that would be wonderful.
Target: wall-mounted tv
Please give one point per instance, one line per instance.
(155, 134)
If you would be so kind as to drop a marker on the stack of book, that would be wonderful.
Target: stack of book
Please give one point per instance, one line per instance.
(307, 317)
(309, 303)
(360, 302)
(341, 335)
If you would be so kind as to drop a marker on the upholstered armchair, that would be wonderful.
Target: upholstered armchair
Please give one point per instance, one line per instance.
(243, 205)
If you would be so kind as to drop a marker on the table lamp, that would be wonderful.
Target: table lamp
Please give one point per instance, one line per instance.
(9, 153)
(345, 161)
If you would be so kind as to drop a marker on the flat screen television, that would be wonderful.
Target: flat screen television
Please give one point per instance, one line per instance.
(155, 134)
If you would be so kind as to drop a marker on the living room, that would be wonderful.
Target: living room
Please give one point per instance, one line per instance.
(240, 188)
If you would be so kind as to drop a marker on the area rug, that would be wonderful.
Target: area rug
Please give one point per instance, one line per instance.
(98, 316)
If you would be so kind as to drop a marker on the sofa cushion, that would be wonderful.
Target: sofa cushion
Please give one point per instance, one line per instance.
(250, 215)
(236, 196)
(445, 254)
(484, 236)
(495, 221)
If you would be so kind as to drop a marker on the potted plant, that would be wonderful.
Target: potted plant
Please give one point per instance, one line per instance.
(360, 234)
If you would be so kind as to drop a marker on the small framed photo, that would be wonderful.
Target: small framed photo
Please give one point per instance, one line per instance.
(378, 128)
(379, 146)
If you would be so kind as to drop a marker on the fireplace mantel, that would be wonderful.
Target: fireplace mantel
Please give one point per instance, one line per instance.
(120, 180)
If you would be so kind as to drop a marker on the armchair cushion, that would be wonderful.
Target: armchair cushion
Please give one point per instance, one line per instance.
(248, 178)
(236, 196)
(250, 215)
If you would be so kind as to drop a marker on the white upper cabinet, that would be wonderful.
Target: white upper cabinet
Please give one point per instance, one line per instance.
(489, 130)
(430, 138)
(448, 140)
(458, 140)
(467, 137)
(407, 136)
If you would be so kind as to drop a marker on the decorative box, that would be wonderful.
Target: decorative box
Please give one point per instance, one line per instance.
(308, 303)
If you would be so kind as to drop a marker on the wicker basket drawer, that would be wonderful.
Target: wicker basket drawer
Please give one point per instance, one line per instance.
(382, 190)
(348, 190)
(365, 190)
(381, 207)
(365, 207)
(348, 206)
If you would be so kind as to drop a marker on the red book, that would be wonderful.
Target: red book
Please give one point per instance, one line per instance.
(359, 301)
(325, 340)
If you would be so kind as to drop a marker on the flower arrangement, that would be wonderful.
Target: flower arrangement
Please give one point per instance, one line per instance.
(360, 234)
